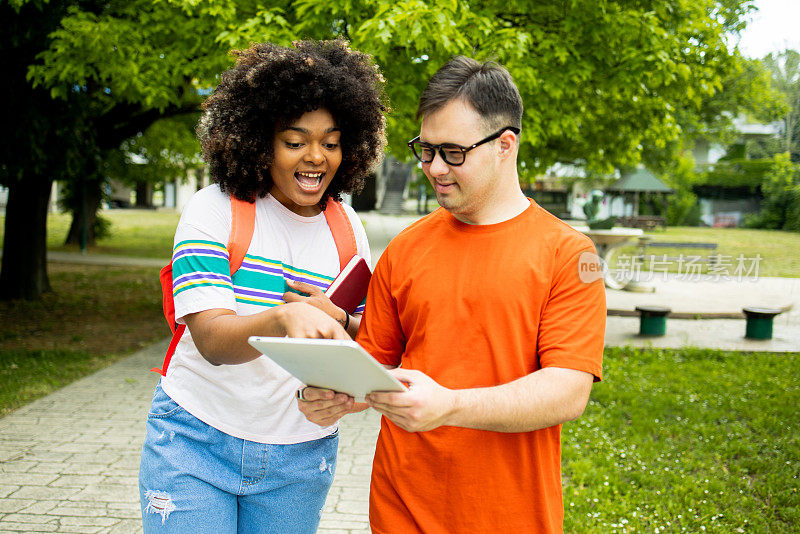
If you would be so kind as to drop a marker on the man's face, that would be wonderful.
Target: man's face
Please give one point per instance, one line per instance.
(463, 190)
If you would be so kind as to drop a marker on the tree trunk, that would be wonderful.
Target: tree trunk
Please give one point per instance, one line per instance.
(24, 268)
(144, 195)
(368, 197)
(91, 204)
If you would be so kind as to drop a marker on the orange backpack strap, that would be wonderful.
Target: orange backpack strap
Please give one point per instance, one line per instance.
(342, 231)
(243, 221)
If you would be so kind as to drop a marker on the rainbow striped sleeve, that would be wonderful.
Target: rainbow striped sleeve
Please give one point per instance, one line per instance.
(197, 263)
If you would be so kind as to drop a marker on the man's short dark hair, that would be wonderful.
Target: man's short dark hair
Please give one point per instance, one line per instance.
(487, 87)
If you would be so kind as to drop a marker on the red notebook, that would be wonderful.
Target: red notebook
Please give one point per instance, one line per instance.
(350, 287)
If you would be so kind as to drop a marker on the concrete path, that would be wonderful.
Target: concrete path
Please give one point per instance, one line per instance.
(697, 302)
(69, 461)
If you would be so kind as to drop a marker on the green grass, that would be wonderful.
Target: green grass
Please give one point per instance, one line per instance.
(141, 233)
(687, 440)
(26, 375)
(134, 232)
(94, 316)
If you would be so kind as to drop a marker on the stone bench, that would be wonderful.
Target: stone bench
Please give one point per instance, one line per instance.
(652, 320)
(646, 243)
(759, 321)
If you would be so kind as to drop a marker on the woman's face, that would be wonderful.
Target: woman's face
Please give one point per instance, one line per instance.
(307, 155)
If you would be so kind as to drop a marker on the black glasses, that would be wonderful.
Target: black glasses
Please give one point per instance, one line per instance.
(451, 153)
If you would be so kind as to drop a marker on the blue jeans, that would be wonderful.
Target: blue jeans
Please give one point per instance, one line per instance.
(195, 478)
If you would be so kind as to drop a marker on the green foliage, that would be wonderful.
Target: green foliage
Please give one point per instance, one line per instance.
(164, 151)
(40, 138)
(774, 169)
(688, 440)
(143, 53)
(785, 70)
(792, 222)
(606, 84)
(749, 173)
(601, 81)
(780, 209)
(682, 206)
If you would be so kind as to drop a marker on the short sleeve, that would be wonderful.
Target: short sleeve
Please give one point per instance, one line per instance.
(380, 333)
(201, 277)
(572, 327)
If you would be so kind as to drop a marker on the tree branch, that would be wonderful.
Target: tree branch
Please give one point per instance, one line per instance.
(125, 120)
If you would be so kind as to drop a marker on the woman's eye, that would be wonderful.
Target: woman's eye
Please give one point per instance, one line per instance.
(331, 146)
(293, 145)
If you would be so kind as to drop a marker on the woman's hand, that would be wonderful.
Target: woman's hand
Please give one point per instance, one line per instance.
(299, 319)
(316, 298)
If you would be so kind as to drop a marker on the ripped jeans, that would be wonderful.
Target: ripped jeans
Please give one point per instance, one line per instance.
(195, 478)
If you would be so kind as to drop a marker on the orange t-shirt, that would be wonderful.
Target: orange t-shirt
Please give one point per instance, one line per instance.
(476, 306)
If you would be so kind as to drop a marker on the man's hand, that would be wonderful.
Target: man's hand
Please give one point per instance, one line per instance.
(424, 406)
(324, 407)
(315, 298)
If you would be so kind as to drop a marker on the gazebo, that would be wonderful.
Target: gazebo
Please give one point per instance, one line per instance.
(632, 187)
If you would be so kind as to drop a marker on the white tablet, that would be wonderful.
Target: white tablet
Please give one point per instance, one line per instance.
(329, 363)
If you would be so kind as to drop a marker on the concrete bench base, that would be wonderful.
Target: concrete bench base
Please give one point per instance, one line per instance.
(759, 322)
(652, 320)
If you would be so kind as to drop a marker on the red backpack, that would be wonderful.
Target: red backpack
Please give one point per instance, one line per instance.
(243, 216)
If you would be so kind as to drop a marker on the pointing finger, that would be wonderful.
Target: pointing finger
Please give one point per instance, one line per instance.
(308, 289)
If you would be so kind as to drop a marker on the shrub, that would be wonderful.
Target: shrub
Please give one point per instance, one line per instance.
(781, 207)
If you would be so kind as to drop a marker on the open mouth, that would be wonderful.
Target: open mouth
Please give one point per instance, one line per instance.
(309, 180)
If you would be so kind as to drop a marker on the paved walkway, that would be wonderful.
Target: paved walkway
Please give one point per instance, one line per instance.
(69, 461)
(697, 302)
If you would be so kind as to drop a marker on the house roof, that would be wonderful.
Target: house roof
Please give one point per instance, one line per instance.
(747, 128)
(640, 180)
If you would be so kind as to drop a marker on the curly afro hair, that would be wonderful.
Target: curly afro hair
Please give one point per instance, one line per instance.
(272, 86)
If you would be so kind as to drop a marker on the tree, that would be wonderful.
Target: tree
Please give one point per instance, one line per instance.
(780, 187)
(85, 76)
(115, 54)
(166, 150)
(768, 166)
(41, 138)
(784, 70)
(606, 84)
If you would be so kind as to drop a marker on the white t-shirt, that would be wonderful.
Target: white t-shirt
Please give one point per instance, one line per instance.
(254, 400)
